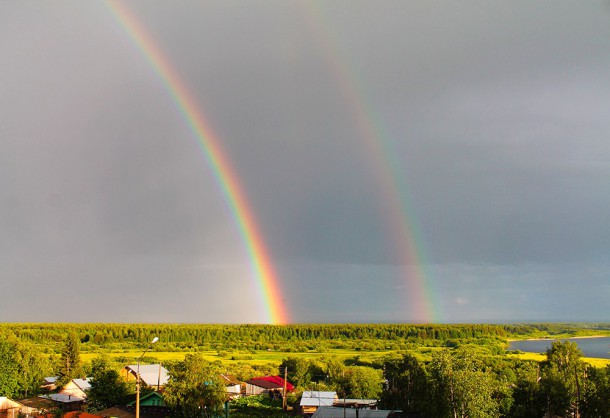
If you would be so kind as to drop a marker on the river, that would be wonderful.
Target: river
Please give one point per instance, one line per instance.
(591, 347)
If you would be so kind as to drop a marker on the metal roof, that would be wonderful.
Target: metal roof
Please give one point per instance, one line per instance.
(63, 398)
(319, 394)
(317, 402)
(151, 374)
(83, 384)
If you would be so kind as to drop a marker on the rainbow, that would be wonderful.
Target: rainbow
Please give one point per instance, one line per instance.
(210, 146)
(391, 177)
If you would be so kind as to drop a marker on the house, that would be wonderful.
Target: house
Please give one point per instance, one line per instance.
(267, 384)
(152, 375)
(232, 385)
(311, 400)
(9, 408)
(337, 412)
(36, 406)
(77, 388)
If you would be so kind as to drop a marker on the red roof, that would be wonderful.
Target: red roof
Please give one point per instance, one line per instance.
(272, 381)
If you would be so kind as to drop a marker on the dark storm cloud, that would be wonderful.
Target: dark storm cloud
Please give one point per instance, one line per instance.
(496, 113)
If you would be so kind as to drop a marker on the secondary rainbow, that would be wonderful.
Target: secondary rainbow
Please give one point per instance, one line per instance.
(390, 175)
(210, 146)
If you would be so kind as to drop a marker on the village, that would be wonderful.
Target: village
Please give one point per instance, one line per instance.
(70, 400)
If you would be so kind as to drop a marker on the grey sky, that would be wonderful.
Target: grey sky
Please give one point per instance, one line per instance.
(496, 112)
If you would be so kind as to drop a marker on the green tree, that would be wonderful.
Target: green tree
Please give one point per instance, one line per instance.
(195, 389)
(22, 367)
(361, 382)
(298, 371)
(526, 394)
(406, 384)
(597, 394)
(461, 386)
(562, 379)
(70, 364)
(107, 387)
(9, 375)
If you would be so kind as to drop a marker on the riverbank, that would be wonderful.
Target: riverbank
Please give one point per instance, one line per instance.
(559, 337)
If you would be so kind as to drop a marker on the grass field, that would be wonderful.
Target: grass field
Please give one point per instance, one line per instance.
(256, 357)
(596, 362)
(276, 357)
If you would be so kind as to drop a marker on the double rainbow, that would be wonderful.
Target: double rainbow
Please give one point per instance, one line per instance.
(210, 146)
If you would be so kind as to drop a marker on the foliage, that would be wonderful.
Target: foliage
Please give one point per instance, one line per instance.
(406, 384)
(256, 407)
(107, 387)
(70, 364)
(195, 389)
(462, 387)
(22, 367)
(562, 378)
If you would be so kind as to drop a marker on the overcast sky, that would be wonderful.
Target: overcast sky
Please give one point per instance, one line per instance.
(493, 118)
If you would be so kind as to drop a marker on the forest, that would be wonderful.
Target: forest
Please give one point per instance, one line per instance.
(434, 370)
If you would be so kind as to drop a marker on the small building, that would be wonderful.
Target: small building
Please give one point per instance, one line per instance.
(232, 385)
(311, 400)
(36, 406)
(77, 388)
(266, 385)
(9, 408)
(49, 383)
(356, 403)
(152, 375)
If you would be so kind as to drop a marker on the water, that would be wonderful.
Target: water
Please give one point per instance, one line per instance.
(591, 347)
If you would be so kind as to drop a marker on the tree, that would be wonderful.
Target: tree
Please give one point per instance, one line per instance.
(107, 387)
(597, 393)
(406, 384)
(195, 389)
(70, 364)
(22, 367)
(562, 379)
(9, 377)
(298, 371)
(361, 382)
(462, 387)
(526, 395)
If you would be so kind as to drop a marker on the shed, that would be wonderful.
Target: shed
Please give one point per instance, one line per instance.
(232, 385)
(312, 400)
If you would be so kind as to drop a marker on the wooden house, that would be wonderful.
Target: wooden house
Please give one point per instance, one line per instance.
(77, 388)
